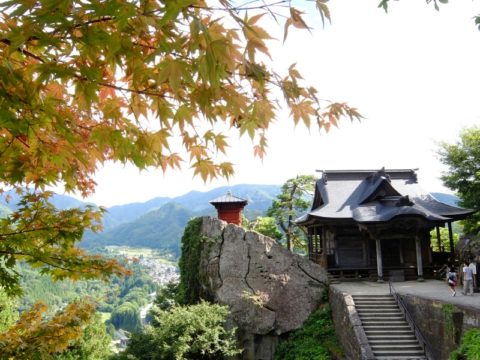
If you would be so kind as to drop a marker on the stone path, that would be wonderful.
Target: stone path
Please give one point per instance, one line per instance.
(429, 289)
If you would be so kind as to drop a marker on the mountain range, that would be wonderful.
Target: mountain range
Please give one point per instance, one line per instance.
(159, 222)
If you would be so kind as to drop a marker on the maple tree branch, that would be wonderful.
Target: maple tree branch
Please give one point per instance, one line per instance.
(245, 6)
(23, 51)
(25, 231)
(20, 253)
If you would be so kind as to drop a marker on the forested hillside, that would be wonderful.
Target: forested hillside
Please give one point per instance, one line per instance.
(158, 229)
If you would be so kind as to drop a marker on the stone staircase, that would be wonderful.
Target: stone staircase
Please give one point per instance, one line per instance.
(388, 333)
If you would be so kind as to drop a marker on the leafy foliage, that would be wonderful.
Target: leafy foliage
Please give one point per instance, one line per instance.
(463, 175)
(264, 225)
(469, 348)
(316, 340)
(94, 344)
(45, 237)
(8, 312)
(34, 337)
(194, 332)
(166, 297)
(189, 289)
(295, 197)
(127, 317)
(79, 81)
(444, 240)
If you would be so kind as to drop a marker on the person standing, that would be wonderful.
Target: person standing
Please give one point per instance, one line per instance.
(473, 266)
(452, 279)
(467, 279)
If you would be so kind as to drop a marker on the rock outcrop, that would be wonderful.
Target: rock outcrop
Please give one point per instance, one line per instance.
(270, 291)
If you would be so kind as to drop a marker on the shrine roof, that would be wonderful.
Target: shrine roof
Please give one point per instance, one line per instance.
(375, 196)
(228, 199)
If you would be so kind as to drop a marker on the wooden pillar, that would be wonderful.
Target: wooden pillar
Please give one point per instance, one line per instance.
(379, 260)
(450, 238)
(418, 248)
(439, 241)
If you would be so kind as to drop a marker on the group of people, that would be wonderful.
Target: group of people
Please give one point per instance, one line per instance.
(469, 278)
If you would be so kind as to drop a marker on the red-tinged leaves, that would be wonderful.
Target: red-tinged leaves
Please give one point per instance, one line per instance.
(303, 111)
(297, 19)
(33, 333)
(198, 152)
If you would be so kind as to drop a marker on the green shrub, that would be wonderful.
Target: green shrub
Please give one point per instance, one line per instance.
(127, 317)
(469, 348)
(316, 340)
(194, 332)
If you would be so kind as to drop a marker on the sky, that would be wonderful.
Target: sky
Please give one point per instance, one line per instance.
(412, 73)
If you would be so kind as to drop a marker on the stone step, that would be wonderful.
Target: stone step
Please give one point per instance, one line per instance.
(389, 335)
(392, 337)
(370, 304)
(396, 341)
(395, 323)
(373, 312)
(377, 331)
(394, 354)
(380, 317)
(372, 327)
(396, 347)
(382, 312)
(397, 357)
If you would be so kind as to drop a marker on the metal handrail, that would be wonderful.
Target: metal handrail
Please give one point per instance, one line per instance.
(423, 342)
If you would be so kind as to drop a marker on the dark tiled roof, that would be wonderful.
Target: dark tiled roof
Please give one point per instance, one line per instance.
(228, 198)
(369, 196)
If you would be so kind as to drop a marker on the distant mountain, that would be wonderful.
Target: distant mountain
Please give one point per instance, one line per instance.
(159, 229)
(259, 200)
(259, 196)
(448, 199)
(161, 225)
(59, 201)
(129, 212)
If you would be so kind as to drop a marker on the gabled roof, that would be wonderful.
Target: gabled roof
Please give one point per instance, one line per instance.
(376, 196)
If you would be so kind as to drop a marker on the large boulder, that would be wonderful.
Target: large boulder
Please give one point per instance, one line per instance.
(270, 290)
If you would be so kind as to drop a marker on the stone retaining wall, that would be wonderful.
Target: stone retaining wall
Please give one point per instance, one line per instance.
(348, 326)
(441, 324)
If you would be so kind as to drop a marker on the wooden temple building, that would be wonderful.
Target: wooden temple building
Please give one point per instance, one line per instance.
(376, 224)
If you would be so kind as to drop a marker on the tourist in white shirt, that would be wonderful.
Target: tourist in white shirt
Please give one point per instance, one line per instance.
(467, 279)
(473, 266)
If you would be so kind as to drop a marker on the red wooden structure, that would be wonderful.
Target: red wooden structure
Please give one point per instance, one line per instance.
(229, 208)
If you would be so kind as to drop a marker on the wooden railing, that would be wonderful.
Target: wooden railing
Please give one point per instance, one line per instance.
(421, 339)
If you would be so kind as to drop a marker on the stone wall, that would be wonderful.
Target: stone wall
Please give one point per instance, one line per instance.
(270, 291)
(441, 324)
(348, 326)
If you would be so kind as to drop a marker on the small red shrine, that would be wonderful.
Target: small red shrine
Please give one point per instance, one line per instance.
(229, 208)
